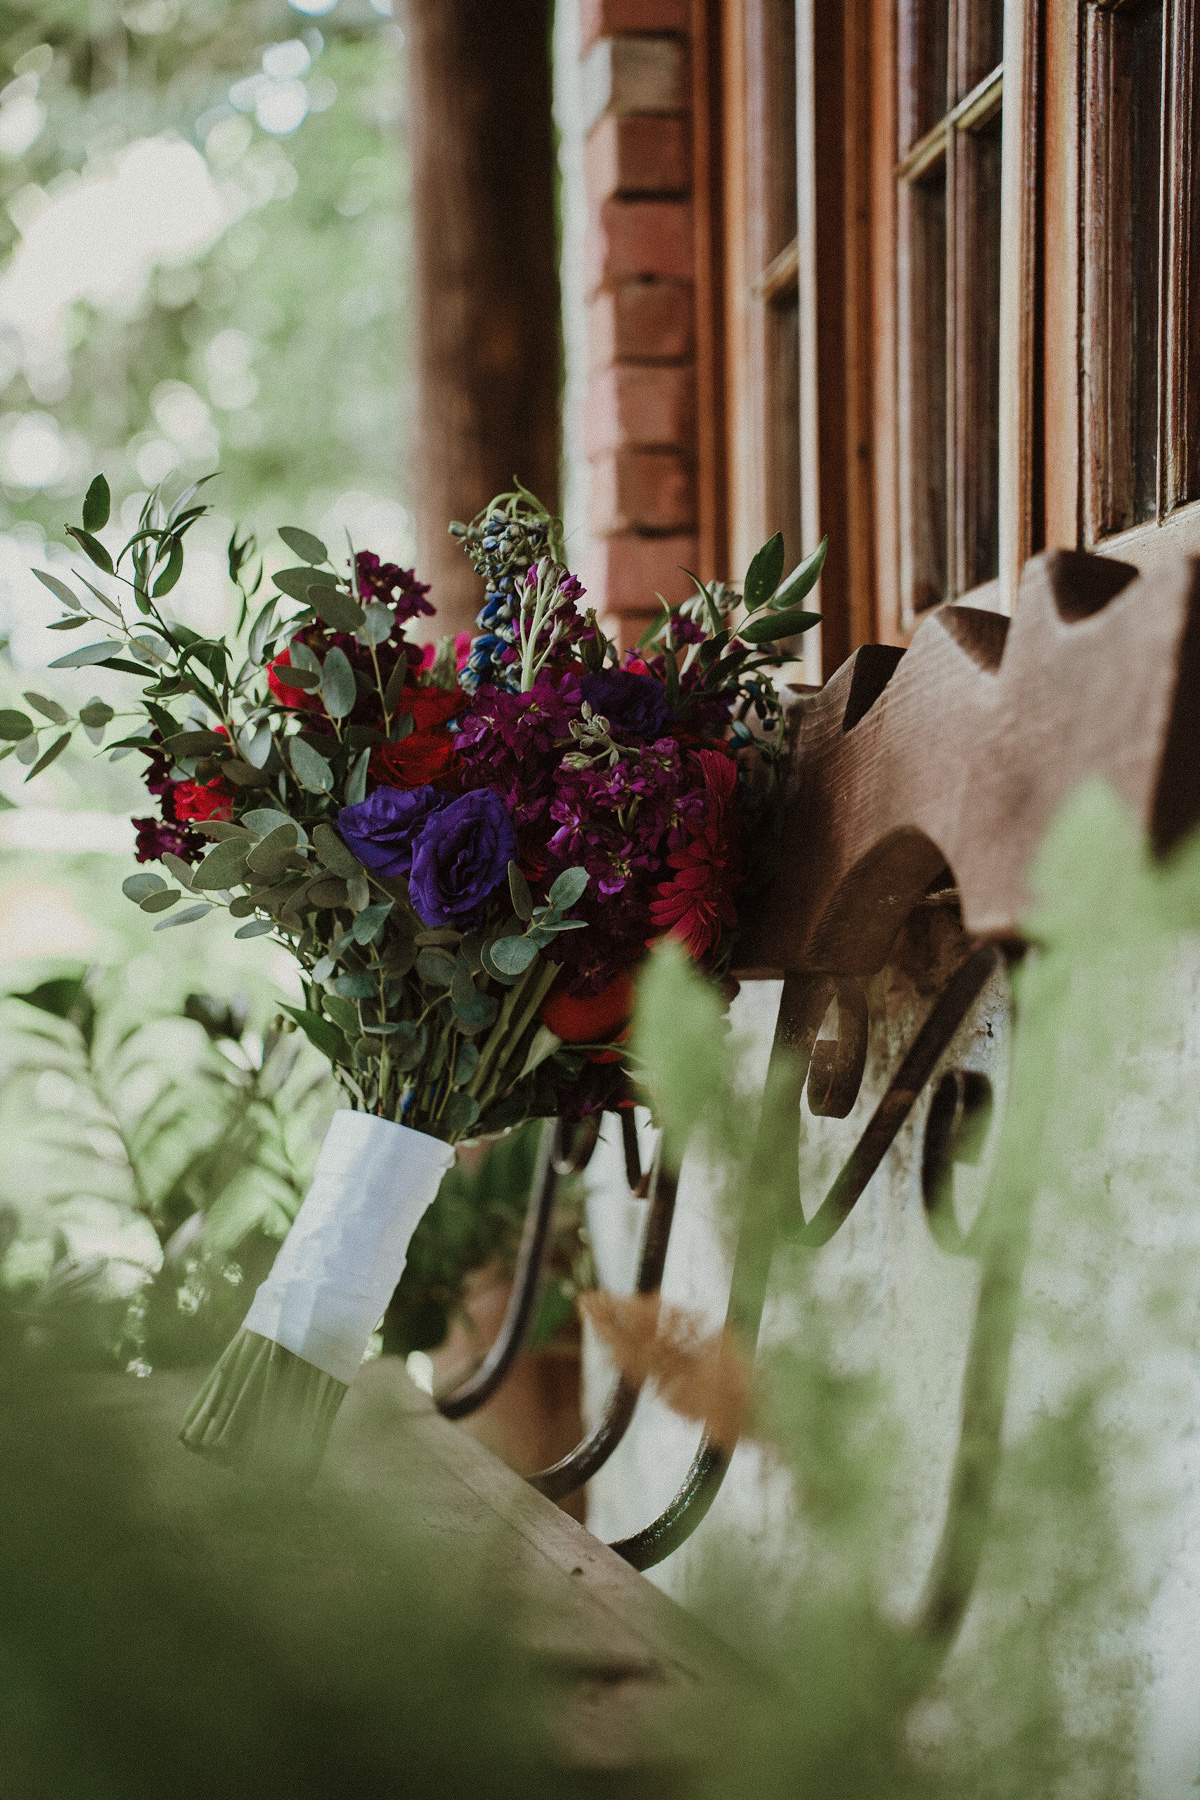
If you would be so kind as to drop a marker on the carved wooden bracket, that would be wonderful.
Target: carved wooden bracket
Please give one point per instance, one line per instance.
(957, 753)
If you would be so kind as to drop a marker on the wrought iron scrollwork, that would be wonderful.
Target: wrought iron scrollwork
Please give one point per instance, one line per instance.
(803, 1007)
(564, 1150)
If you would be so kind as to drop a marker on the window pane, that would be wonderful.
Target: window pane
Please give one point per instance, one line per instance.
(1122, 220)
(923, 390)
(923, 73)
(977, 336)
(783, 500)
(980, 41)
(1144, 53)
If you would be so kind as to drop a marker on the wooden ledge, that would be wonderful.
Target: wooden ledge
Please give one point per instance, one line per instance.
(620, 1651)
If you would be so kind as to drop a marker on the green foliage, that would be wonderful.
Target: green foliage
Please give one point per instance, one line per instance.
(1062, 1505)
(477, 1222)
(174, 1165)
(290, 328)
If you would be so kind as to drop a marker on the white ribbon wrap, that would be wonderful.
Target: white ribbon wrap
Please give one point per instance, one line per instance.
(346, 1250)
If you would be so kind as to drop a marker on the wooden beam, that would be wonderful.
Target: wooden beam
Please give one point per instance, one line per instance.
(956, 755)
(487, 316)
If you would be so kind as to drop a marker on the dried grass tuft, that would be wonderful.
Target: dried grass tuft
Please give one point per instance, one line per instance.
(699, 1375)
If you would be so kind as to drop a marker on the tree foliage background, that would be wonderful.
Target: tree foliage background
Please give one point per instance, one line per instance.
(278, 348)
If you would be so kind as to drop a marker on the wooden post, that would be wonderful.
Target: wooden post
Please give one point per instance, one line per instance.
(488, 331)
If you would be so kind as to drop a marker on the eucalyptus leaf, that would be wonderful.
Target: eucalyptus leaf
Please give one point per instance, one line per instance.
(764, 574)
(344, 1013)
(412, 1043)
(14, 725)
(49, 709)
(465, 1065)
(338, 859)
(358, 893)
(490, 968)
(339, 690)
(334, 607)
(395, 686)
(324, 969)
(355, 986)
(262, 631)
(195, 743)
(255, 742)
(304, 544)
(369, 923)
(136, 887)
(176, 866)
(307, 680)
(513, 955)
(87, 655)
(378, 622)
(311, 770)
(255, 928)
(329, 890)
(187, 917)
(270, 858)
(356, 786)
(224, 866)
(518, 887)
(568, 888)
(56, 749)
(265, 819)
(436, 967)
(96, 713)
(59, 589)
(294, 582)
(160, 899)
(460, 1112)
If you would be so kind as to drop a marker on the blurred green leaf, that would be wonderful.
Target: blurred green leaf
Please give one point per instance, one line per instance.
(763, 575)
(304, 544)
(96, 505)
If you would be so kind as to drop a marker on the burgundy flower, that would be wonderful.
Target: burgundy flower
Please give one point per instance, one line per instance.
(634, 705)
(696, 904)
(156, 835)
(392, 585)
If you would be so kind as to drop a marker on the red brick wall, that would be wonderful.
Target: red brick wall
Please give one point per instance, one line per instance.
(639, 423)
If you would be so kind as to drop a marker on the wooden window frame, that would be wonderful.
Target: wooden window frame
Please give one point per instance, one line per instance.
(1077, 422)
(851, 369)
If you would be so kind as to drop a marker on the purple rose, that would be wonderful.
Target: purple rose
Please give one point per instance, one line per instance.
(635, 704)
(382, 829)
(461, 857)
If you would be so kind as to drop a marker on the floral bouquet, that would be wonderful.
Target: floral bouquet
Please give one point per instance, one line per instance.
(466, 845)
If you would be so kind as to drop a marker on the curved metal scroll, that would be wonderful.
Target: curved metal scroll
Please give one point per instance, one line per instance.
(555, 1158)
(580, 1464)
(803, 1006)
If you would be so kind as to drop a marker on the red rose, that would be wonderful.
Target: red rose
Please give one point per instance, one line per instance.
(590, 1018)
(428, 752)
(202, 800)
(300, 699)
